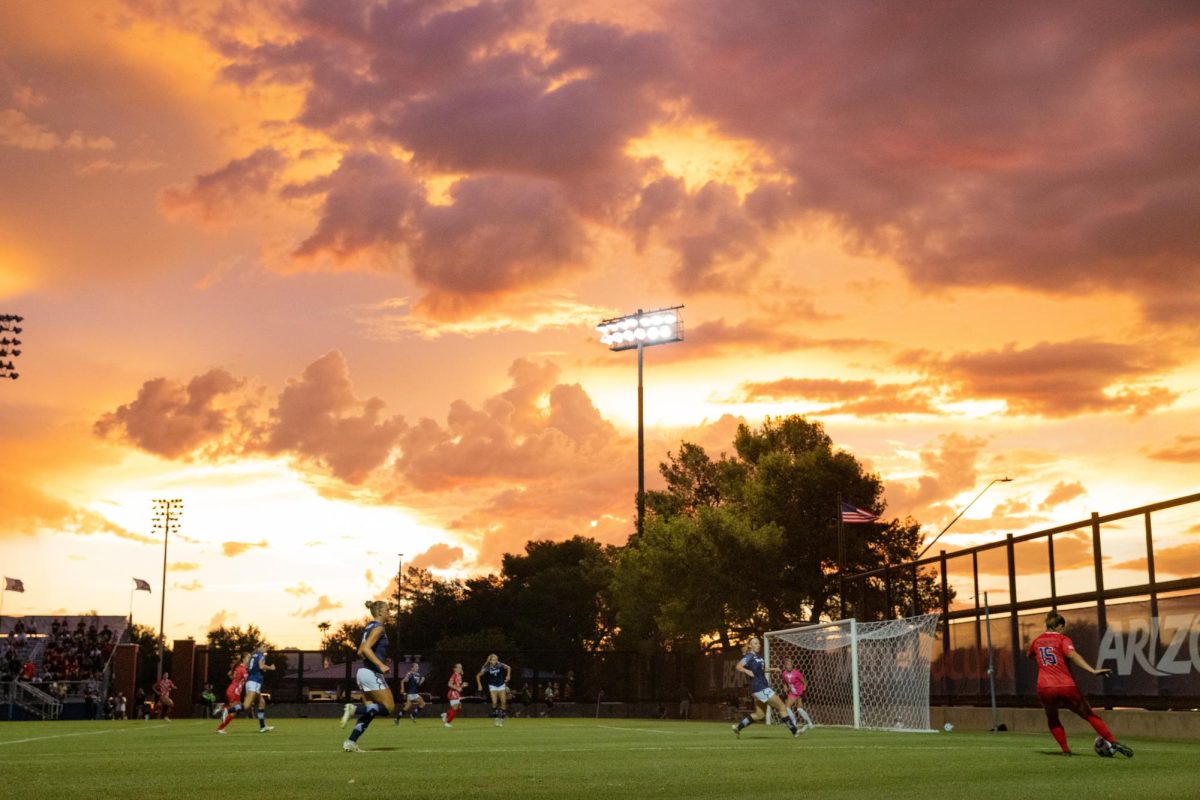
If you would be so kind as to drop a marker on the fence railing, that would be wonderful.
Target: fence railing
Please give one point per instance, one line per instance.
(35, 701)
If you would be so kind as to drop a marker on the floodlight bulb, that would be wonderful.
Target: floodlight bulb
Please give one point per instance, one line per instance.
(665, 331)
(640, 333)
(628, 336)
(669, 318)
(652, 333)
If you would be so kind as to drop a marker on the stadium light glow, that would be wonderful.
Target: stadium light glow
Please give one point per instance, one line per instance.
(638, 331)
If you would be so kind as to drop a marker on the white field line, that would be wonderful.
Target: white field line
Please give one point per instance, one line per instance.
(635, 730)
(85, 733)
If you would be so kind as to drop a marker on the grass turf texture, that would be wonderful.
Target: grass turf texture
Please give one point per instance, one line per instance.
(568, 758)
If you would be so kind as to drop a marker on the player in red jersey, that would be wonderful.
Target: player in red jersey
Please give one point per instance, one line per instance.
(163, 690)
(453, 694)
(233, 694)
(1056, 686)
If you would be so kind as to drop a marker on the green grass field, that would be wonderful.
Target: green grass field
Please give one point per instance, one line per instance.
(567, 758)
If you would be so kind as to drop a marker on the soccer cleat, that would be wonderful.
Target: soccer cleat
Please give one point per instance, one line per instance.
(413, 717)
(217, 711)
(1124, 750)
(221, 731)
(497, 722)
(1067, 753)
(347, 712)
(351, 747)
(224, 713)
(396, 721)
(443, 716)
(737, 731)
(268, 728)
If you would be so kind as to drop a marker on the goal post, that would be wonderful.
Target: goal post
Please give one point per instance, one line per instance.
(872, 675)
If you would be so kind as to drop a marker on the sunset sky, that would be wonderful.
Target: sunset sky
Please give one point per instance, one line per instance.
(330, 271)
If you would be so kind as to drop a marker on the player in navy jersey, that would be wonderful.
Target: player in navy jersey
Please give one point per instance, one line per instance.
(413, 702)
(377, 697)
(497, 674)
(753, 666)
(255, 702)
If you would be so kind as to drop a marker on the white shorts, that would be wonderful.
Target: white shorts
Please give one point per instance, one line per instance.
(764, 695)
(455, 703)
(412, 698)
(253, 686)
(371, 681)
(501, 688)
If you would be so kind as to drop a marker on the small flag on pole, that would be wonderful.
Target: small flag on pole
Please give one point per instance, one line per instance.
(853, 514)
(140, 585)
(13, 585)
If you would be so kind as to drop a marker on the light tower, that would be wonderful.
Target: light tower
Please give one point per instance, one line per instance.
(165, 519)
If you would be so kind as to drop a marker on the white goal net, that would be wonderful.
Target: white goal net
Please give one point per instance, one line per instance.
(860, 674)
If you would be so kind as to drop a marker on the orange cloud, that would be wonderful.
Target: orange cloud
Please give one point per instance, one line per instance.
(323, 604)
(1055, 379)
(1062, 493)
(215, 197)
(861, 398)
(300, 590)
(232, 549)
(1180, 560)
(194, 586)
(173, 420)
(1185, 450)
(184, 566)
(439, 556)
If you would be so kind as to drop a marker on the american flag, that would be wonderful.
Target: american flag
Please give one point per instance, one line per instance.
(852, 514)
(13, 585)
(140, 585)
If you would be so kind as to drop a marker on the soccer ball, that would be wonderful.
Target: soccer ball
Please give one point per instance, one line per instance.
(948, 727)
(1103, 748)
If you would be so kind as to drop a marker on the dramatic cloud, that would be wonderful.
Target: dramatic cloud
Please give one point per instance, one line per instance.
(900, 123)
(860, 398)
(1169, 562)
(28, 510)
(323, 604)
(171, 419)
(232, 549)
(318, 418)
(19, 131)
(217, 196)
(440, 556)
(1061, 493)
(300, 590)
(1056, 379)
(719, 337)
(949, 470)
(1185, 450)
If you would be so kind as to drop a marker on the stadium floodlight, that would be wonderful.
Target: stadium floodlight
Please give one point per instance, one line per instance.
(640, 330)
(10, 348)
(165, 519)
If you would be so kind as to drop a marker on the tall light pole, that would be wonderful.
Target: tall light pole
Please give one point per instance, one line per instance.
(640, 330)
(1005, 479)
(166, 519)
(10, 348)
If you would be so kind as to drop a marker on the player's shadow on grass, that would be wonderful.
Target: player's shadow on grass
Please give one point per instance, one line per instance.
(384, 749)
(1055, 753)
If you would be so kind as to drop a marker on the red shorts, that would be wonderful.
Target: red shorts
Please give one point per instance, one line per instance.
(233, 696)
(1068, 697)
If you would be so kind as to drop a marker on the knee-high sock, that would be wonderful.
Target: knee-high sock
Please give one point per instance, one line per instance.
(370, 711)
(233, 709)
(745, 723)
(452, 713)
(262, 718)
(1100, 727)
(804, 715)
(1056, 728)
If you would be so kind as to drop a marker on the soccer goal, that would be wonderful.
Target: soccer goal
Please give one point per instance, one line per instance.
(860, 674)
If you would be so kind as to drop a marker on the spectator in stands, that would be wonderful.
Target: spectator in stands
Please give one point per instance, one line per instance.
(548, 696)
(89, 703)
(122, 703)
(209, 698)
(27, 670)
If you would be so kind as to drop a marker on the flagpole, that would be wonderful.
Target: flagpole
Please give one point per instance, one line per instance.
(841, 558)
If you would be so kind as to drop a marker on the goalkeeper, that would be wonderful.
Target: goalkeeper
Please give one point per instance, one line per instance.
(753, 666)
(793, 680)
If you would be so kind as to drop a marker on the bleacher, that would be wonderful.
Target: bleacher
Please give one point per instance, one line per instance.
(70, 654)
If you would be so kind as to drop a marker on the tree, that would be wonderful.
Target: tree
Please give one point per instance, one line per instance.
(342, 645)
(226, 645)
(147, 663)
(785, 476)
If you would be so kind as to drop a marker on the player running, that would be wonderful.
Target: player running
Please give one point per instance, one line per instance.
(753, 666)
(377, 697)
(233, 693)
(453, 695)
(163, 689)
(1056, 686)
(793, 680)
(254, 698)
(413, 702)
(498, 674)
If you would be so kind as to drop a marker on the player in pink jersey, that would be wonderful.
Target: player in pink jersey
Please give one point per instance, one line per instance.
(233, 693)
(1056, 687)
(793, 681)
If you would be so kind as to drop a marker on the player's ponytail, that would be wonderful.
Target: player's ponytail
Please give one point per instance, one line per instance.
(376, 607)
(1055, 620)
